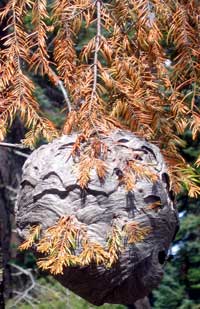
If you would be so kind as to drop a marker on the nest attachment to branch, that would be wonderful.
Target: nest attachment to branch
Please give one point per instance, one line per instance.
(99, 213)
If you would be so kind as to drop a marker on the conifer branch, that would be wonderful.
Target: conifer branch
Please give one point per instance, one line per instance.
(21, 154)
(97, 46)
(40, 58)
(60, 85)
(123, 75)
(25, 294)
(9, 145)
(65, 94)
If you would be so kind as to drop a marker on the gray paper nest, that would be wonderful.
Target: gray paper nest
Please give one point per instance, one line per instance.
(49, 190)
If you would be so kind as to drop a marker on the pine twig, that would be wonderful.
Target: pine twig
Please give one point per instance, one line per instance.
(25, 293)
(97, 45)
(59, 84)
(65, 94)
(9, 145)
(20, 153)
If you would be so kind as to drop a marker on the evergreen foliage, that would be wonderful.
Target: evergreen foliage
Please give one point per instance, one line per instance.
(180, 287)
(137, 67)
(117, 63)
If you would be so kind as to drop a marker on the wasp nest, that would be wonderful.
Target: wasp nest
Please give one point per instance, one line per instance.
(100, 212)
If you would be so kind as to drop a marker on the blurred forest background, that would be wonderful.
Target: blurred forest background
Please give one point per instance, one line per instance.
(26, 287)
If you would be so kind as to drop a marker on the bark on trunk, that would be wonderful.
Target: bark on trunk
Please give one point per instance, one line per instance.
(10, 172)
(8, 167)
(2, 303)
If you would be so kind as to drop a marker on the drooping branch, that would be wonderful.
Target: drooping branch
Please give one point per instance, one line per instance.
(40, 57)
(119, 73)
(17, 86)
(95, 63)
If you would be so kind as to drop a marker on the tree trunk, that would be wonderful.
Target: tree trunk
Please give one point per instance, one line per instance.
(2, 304)
(10, 172)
